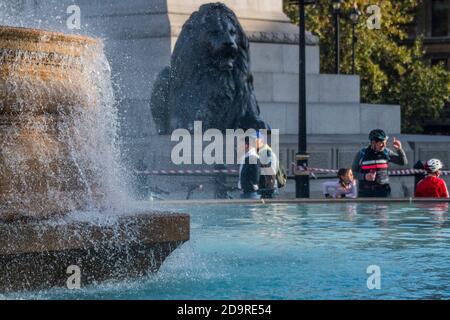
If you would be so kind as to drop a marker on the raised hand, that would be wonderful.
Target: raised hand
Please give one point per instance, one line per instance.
(397, 144)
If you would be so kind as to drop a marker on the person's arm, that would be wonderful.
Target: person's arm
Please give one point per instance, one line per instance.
(267, 160)
(356, 168)
(418, 192)
(253, 176)
(398, 157)
(443, 190)
(254, 172)
(353, 191)
(274, 163)
(326, 186)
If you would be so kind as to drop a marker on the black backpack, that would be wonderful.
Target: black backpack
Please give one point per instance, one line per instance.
(281, 175)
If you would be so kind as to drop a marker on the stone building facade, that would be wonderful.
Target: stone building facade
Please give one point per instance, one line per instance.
(433, 23)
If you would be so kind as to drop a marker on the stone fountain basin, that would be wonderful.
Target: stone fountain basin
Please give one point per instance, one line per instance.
(36, 255)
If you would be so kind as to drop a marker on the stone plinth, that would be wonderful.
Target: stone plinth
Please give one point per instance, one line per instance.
(36, 254)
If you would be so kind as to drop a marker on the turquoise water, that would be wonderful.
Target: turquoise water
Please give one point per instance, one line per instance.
(290, 251)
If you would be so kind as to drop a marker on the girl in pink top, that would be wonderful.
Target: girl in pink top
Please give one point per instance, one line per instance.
(344, 187)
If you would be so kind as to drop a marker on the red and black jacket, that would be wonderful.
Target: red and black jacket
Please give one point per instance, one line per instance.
(368, 160)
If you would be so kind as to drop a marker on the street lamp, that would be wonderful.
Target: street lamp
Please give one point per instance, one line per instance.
(302, 178)
(337, 13)
(354, 17)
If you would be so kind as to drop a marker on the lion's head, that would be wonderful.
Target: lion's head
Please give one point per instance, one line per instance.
(209, 78)
(213, 32)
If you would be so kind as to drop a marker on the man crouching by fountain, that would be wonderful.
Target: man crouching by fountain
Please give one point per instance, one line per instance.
(249, 171)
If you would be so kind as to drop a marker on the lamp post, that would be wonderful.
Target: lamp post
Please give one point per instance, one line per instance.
(301, 178)
(354, 17)
(337, 14)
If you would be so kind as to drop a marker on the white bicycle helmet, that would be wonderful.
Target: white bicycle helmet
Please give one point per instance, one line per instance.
(433, 165)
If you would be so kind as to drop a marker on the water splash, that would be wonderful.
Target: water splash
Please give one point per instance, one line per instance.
(58, 125)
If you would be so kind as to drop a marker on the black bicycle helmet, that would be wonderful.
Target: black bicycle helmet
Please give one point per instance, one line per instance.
(377, 135)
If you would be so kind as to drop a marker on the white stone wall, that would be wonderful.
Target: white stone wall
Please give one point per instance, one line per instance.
(333, 101)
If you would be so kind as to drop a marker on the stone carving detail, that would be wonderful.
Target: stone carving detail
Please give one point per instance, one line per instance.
(281, 37)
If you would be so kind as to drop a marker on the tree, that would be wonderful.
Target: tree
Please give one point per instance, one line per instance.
(392, 68)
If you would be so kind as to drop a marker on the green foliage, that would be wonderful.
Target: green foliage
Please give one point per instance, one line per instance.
(422, 91)
(392, 69)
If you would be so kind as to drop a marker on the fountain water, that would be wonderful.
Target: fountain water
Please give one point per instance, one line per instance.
(57, 121)
(58, 155)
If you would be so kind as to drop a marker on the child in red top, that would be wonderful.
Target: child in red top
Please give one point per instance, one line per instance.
(432, 186)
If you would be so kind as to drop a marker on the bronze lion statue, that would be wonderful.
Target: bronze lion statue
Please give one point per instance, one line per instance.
(209, 77)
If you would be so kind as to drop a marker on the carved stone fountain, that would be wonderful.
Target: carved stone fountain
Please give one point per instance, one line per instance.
(57, 158)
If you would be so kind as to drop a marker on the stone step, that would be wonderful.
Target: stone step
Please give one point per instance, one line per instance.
(279, 58)
(323, 88)
(332, 118)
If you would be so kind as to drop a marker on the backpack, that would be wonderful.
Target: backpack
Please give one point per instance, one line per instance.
(281, 175)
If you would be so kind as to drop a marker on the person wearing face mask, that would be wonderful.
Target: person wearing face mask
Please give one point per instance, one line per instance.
(371, 165)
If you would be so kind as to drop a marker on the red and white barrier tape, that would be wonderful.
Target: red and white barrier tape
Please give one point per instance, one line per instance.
(398, 172)
(187, 172)
(234, 171)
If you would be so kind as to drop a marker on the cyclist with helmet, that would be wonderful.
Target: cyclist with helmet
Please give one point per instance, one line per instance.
(432, 186)
(371, 165)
